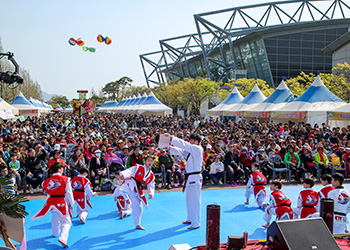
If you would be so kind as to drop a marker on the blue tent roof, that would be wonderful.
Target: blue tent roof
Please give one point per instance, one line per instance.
(255, 96)
(234, 97)
(58, 107)
(69, 107)
(113, 104)
(281, 94)
(318, 92)
(141, 100)
(21, 100)
(128, 102)
(135, 100)
(121, 103)
(151, 99)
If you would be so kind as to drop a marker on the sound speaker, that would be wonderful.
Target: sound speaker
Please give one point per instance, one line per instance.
(300, 234)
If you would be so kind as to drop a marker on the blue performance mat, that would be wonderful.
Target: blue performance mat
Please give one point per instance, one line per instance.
(163, 222)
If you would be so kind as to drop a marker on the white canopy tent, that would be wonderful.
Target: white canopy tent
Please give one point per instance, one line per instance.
(234, 98)
(315, 101)
(339, 117)
(126, 106)
(152, 106)
(7, 111)
(134, 108)
(39, 105)
(24, 107)
(69, 109)
(104, 106)
(134, 103)
(279, 98)
(111, 106)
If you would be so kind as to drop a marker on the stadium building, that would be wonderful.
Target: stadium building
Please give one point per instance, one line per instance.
(267, 41)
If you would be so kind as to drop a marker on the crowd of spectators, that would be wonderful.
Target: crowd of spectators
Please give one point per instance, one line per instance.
(107, 143)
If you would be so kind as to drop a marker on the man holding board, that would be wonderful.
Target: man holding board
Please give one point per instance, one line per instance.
(193, 177)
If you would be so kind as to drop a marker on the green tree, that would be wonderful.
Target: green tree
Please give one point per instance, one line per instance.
(115, 90)
(195, 90)
(187, 93)
(134, 90)
(169, 95)
(244, 86)
(59, 100)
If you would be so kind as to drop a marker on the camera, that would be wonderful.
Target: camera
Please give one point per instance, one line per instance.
(10, 78)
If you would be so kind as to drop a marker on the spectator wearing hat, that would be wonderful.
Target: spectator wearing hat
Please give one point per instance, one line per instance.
(134, 158)
(246, 160)
(98, 169)
(119, 146)
(307, 160)
(125, 155)
(340, 152)
(56, 158)
(292, 158)
(322, 160)
(44, 143)
(265, 164)
(109, 153)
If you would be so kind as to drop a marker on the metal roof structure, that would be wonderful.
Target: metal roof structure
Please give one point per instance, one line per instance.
(221, 28)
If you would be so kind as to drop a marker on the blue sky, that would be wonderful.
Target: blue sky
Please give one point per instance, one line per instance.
(37, 31)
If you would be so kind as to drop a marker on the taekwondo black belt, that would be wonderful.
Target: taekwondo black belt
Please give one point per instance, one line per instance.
(79, 190)
(186, 177)
(259, 184)
(338, 213)
(57, 196)
(308, 206)
(138, 184)
(284, 205)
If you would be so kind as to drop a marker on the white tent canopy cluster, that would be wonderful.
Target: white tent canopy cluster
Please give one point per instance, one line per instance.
(312, 106)
(43, 107)
(145, 104)
(69, 109)
(24, 107)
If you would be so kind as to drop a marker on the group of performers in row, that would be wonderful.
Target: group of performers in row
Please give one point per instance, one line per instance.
(63, 192)
(308, 203)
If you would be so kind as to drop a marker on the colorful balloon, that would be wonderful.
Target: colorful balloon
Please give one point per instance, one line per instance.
(100, 38)
(107, 40)
(80, 42)
(72, 41)
(91, 49)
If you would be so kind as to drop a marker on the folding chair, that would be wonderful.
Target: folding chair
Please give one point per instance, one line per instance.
(277, 160)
